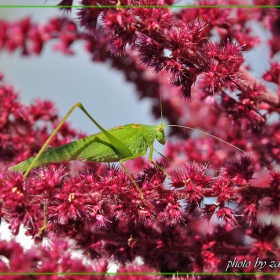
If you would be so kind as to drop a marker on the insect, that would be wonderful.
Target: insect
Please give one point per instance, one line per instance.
(118, 144)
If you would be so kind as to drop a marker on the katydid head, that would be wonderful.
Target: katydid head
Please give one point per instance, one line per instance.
(160, 134)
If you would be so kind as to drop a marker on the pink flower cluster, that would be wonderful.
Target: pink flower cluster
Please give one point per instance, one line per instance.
(210, 211)
(54, 258)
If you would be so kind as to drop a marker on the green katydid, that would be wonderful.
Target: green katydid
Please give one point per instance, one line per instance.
(118, 144)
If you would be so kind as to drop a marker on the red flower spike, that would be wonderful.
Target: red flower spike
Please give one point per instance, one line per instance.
(193, 179)
(172, 214)
(209, 210)
(46, 180)
(228, 217)
(240, 171)
(250, 213)
(211, 261)
(264, 244)
(273, 74)
(12, 190)
(223, 187)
